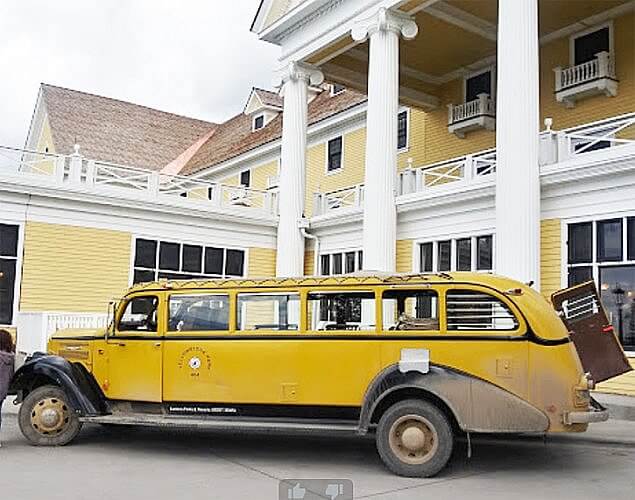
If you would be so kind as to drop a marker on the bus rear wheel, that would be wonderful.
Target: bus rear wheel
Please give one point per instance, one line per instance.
(46, 418)
(414, 438)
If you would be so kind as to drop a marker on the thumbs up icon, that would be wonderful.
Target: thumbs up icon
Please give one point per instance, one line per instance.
(297, 492)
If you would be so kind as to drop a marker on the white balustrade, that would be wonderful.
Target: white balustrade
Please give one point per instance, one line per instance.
(341, 199)
(603, 66)
(483, 105)
(465, 169)
(76, 171)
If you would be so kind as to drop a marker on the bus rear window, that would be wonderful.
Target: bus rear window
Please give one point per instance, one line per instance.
(474, 310)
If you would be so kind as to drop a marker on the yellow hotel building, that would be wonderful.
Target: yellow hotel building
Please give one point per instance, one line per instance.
(407, 136)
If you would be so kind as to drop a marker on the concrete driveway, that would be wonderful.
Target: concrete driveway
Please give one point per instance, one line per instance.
(135, 463)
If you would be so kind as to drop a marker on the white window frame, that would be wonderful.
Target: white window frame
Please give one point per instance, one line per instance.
(240, 174)
(343, 253)
(435, 252)
(18, 272)
(492, 69)
(579, 34)
(326, 156)
(407, 146)
(253, 122)
(204, 275)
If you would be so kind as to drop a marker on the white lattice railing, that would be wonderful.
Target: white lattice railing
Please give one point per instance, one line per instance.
(346, 198)
(565, 144)
(465, 169)
(484, 105)
(75, 170)
(603, 66)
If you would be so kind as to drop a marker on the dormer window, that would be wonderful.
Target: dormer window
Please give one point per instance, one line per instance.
(336, 88)
(258, 123)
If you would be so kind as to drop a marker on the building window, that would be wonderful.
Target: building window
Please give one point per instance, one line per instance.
(245, 178)
(334, 156)
(480, 83)
(585, 46)
(336, 88)
(609, 240)
(155, 260)
(464, 254)
(474, 253)
(259, 122)
(402, 130)
(425, 255)
(340, 263)
(8, 264)
(600, 251)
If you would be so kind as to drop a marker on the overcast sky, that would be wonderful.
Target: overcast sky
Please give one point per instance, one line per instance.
(191, 57)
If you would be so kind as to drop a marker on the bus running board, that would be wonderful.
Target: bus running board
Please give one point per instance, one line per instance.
(305, 426)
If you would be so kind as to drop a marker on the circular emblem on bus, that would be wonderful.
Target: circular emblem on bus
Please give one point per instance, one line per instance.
(195, 363)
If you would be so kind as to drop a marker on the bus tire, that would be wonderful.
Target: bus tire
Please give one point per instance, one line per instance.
(46, 418)
(414, 438)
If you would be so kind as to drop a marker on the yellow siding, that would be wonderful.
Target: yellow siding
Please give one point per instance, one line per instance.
(550, 256)
(262, 262)
(597, 107)
(351, 173)
(440, 144)
(624, 384)
(309, 258)
(261, 174)
(76, 269)
(404, 256)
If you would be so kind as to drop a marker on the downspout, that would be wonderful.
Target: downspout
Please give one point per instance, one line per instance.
(316, 253)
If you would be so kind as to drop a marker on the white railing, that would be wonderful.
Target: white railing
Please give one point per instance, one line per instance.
(572, 142)
(465, 169)
(341, 199)
(35, 328)
(108, 178)
(484, 105)
(603, 66)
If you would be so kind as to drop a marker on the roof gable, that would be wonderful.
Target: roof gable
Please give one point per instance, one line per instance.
(116, 131)
(260, 99)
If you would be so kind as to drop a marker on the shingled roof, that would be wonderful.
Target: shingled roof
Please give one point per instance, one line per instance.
(117, 131)
(235, 137)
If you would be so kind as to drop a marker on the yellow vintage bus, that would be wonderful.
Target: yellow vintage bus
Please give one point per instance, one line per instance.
(414, 359)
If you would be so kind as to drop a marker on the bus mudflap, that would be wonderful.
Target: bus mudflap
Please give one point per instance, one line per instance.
(591, 332)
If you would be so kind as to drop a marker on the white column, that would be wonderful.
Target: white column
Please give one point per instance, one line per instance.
(518, 182)
(380, 216)
(294, 79)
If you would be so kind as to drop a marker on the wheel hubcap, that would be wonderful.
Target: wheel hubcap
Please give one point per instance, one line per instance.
(413, 439)
(50, 416)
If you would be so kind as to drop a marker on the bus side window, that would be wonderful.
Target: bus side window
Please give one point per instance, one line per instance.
(476, 310)
(341, 311)
(410, 310)
(268, 311)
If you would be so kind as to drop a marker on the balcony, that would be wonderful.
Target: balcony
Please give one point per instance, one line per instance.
(473, 115)
(449, 174)
(593, 77)
(24, 170)
(339, 201)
